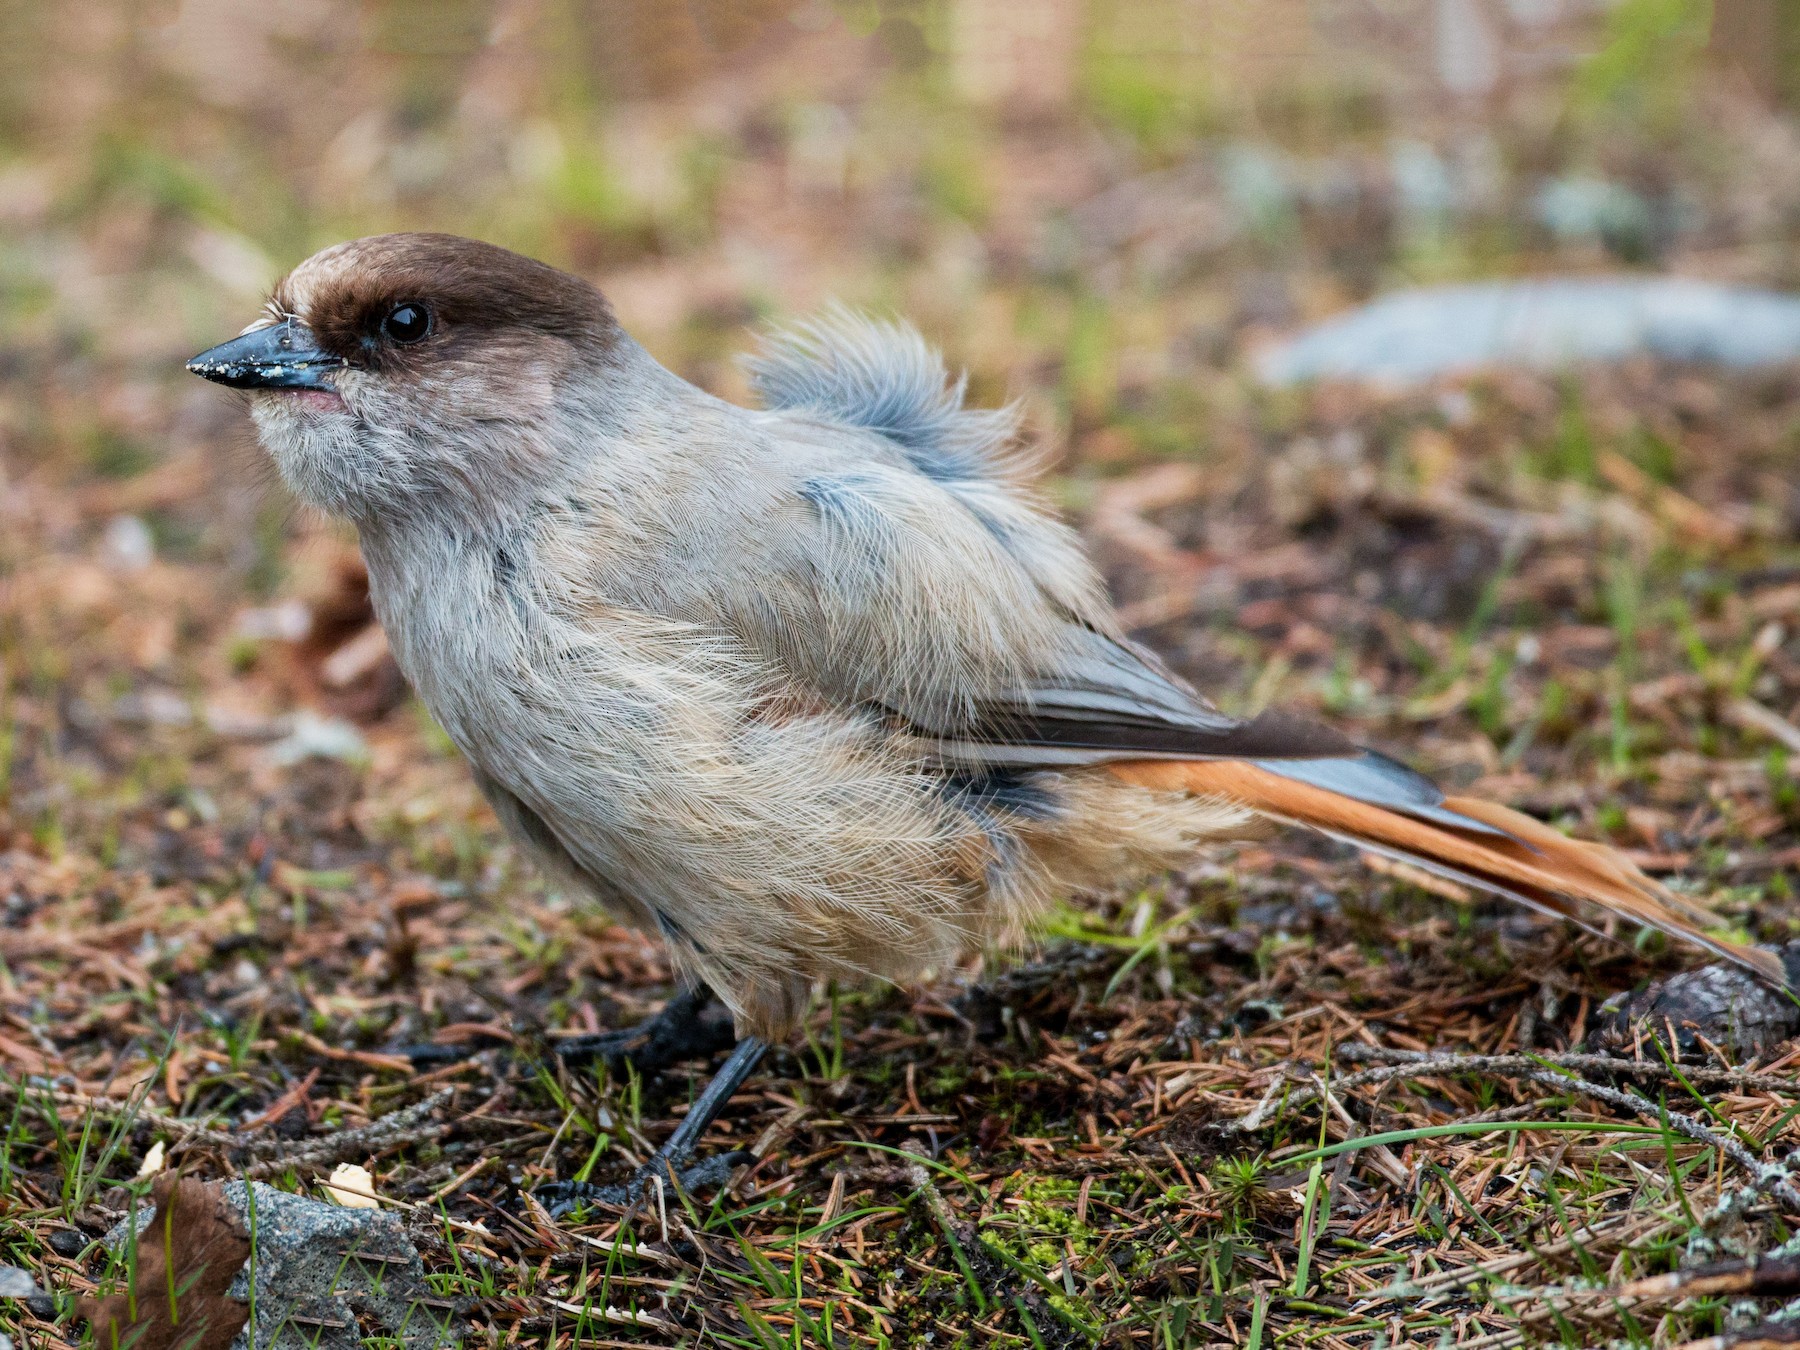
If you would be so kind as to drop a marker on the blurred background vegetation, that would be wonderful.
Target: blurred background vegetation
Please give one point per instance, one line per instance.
(1091, 202)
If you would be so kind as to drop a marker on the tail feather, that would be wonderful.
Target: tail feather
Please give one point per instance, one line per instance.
(1607, 867)
(1500, 850)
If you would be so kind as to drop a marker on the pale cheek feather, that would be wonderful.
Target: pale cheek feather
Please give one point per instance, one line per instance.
(510, 377)
(447, 444)
(318, 452)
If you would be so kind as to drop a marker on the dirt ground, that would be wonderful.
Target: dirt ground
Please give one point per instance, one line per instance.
(256, 914)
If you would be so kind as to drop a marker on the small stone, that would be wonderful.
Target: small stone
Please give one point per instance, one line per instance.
(67, 1242)
(330, 1278)
(289, 621)
(127, 544)
(1720, 1004)
(17, 1283)
(315, 737)
(153, 1161)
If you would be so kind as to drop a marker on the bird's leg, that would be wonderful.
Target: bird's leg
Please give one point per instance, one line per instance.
(692, 1025)
(666, 1163)
(680, 1146)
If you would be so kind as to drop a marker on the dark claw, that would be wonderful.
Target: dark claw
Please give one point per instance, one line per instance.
(692, 1025)
(714, 1171)
(679, 1147)
(562, 1198)
(430, 1056)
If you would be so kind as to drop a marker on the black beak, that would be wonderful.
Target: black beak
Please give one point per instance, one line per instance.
(282, 356)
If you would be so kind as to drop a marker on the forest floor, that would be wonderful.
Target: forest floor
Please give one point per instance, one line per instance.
(247, 935)
(256, 921)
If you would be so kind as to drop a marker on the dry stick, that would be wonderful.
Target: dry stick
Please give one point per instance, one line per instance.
(116, 1106)
(1766, 1336)
(1557, 1300)
(1740, 1279)
(623, 1316)
(920, 1180)
(551, 1230)
(1764, 1178)
(458, 1181)
(1625, 1230)
(1699, 1075)
(385, 1131)
(1762, 1276)
(404, 1126)
(409, 1125)
(1756, 1275)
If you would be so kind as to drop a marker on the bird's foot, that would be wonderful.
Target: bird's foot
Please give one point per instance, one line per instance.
(562, 1198)
(692, 1025)
(667, 1162)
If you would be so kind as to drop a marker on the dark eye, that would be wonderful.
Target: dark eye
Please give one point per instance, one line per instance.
(407, 323)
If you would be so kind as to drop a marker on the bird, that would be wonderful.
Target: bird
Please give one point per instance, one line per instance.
(816, 690)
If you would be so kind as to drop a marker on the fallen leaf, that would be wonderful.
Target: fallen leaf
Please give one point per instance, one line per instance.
(187, 1257)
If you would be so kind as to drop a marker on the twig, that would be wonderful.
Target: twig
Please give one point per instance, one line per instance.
(409, 1125)
(1699, 1076)
(622, 1316)
(1772, 1180)
(1627, 1229)
(403, 1126)
(1765, 1336)
(140, 1112)
(1759, 1276)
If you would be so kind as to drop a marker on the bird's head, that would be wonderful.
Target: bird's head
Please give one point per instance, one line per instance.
(413, 371)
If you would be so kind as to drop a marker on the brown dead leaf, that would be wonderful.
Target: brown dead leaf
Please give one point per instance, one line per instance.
(1683, 512)
(187, 1257)
(1119, 514)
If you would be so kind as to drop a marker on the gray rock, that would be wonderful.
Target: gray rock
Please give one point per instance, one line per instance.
(16, 1283)
(315, 737)
(327, 1277)
(19, 1284)
(1579, 208)
(1418, 335)
(1720, 1004)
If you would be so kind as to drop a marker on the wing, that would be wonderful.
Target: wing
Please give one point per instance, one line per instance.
(945, 591)
(1100, 697)
(917, 573)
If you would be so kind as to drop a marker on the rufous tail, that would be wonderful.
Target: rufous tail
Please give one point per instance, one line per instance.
(1504, 851)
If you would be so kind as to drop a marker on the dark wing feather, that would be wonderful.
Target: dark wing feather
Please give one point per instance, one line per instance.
(1110, 700)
